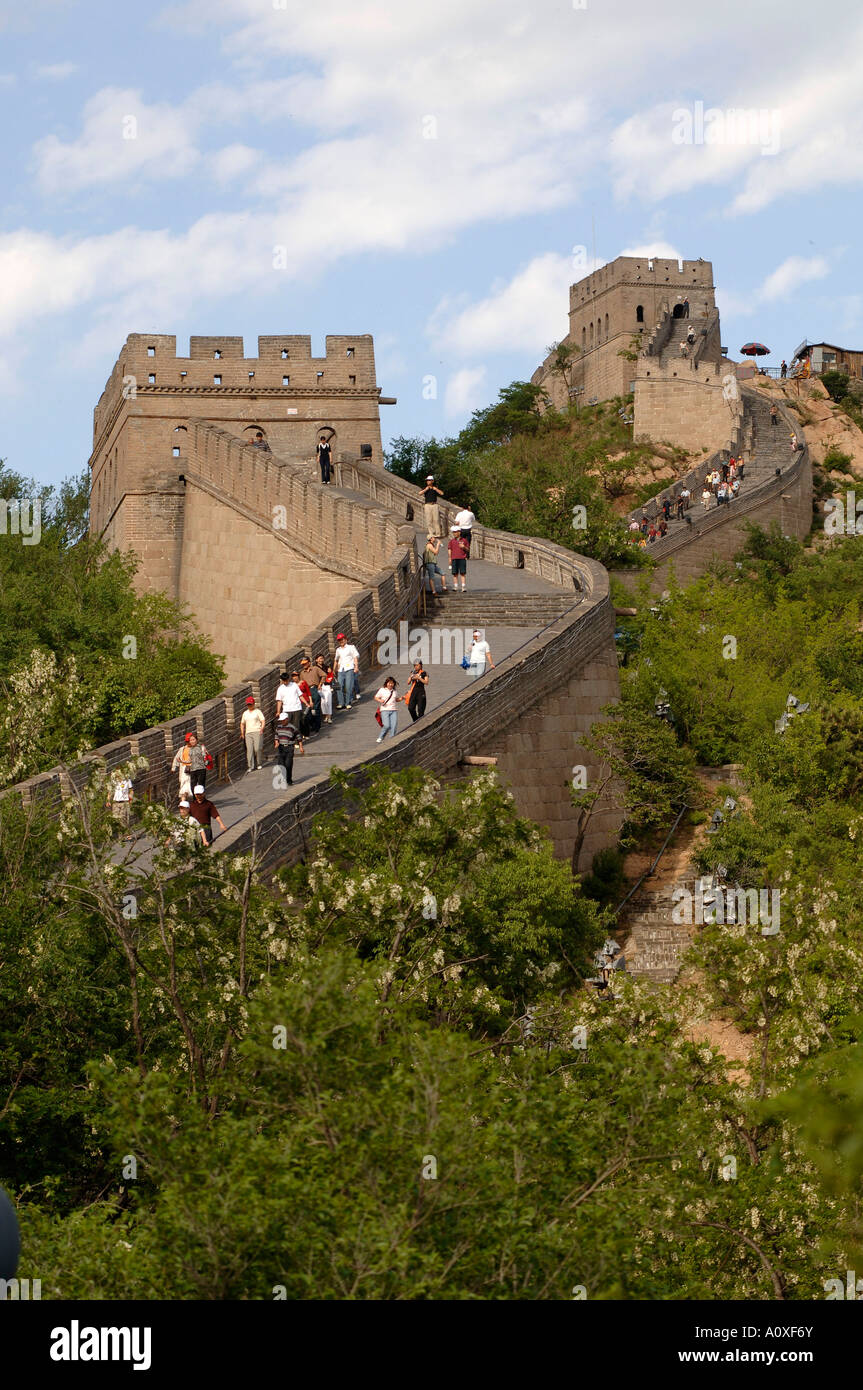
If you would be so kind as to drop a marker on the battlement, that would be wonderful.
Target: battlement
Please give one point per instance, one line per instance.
(149, 362)
(669, 275)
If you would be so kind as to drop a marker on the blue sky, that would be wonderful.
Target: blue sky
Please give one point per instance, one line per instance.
(429, 170)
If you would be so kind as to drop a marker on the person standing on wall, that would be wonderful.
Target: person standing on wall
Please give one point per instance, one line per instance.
(204, 812)
(457, 559)
(287, 738)
(415, 699)
(464, 520)
(774, 414)
(325, 687)
(201, 762)
(347, 666)
(121, 801)
(252, 733)
(783, 370)
(308, 710)
(432, 568)
(289, 702)
(431, 512)
(478, 655)
(387, 700)
(181, 764)
(313, 678)
(325, 457)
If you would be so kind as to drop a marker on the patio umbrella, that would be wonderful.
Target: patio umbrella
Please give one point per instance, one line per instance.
(754, 350)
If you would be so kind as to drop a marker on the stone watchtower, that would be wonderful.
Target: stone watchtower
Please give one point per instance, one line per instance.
(607, 309)
(140, 422)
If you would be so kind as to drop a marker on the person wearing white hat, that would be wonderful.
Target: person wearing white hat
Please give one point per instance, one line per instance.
(430, 506)
(204, 812)
(186, 831)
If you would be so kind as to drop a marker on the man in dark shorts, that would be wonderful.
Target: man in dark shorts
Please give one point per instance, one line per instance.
(287, 739)
(458, 554)
(325, 458)
(204, 812)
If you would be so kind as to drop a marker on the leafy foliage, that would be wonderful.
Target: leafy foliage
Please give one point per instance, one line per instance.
(83, 658)
(525, 469)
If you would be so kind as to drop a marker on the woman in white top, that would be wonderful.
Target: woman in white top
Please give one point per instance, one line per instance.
(387, 700)
(479, 654)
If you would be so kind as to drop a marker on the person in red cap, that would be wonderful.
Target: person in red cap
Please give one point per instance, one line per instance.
(182, 763)
(252, 731)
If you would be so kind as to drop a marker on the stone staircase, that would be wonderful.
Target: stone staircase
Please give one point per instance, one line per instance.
(656, 944)
(765, 448)
(670, 353)
(492, 608)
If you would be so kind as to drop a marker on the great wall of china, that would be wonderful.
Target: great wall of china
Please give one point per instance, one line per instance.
(273, 564)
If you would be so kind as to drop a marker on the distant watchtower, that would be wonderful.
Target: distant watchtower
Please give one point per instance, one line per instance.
(608, 308)
(139, 423)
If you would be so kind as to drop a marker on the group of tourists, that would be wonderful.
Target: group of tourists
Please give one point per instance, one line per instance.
(387, 698)
(722, 483)
(458, 542)
(192, 762)
(308, 697)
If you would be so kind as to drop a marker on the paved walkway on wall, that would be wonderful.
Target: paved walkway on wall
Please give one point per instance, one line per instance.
(353, 733)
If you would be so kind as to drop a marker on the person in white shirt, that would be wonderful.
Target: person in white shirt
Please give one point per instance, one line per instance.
(186, 831)
(289, 702)
(464, 520)
(121, 801)
(387, 698)
(252, 731)
(479, 654)
(347, 668)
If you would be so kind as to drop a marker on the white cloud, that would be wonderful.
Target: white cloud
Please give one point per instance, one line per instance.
(121, 137)
(56, 72)
(791, 274)
(233, 161)
(332, 161)
(662, 250)
(792, 129)
(465, 391)
(781, 283)
(525, 314)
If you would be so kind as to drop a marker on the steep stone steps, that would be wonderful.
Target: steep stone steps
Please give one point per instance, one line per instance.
(656, 943)
(489, 608)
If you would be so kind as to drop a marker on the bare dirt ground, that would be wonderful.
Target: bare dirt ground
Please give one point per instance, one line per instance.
(827, 425)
